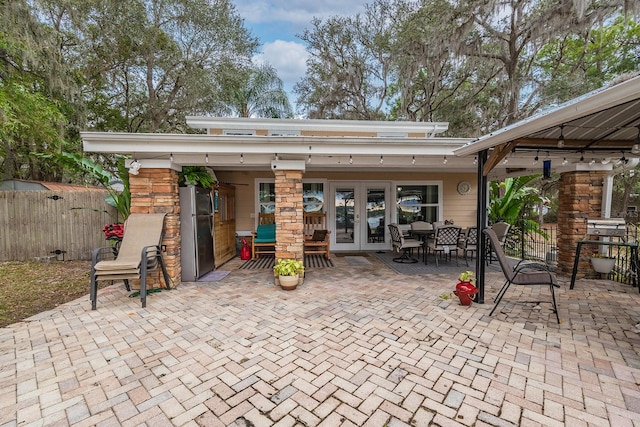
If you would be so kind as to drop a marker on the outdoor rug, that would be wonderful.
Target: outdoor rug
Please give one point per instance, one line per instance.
(214, 276)
(445, 267)
(310, 261)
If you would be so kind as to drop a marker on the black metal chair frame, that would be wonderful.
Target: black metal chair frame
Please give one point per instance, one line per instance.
(445, 241)
(523, 274)
(398, 241)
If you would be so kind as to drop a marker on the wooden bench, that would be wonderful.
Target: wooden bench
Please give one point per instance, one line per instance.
(317, 238)
(263, 240)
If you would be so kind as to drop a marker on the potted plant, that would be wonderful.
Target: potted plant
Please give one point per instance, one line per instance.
(465, 289)
(288, 272)
(602, 263)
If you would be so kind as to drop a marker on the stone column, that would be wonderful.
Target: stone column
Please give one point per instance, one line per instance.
(155, 190)
(580, 197)
(289, 214)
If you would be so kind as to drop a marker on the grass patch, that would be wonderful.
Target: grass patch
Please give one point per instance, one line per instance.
(28, 288)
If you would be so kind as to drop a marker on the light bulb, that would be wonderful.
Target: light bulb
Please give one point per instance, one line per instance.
(241, 158)
(206, 158)
(565, 161)
(444, 161)
(413, 160)
(309, 159)
(475, 160)
(350, 159)
(381, 160)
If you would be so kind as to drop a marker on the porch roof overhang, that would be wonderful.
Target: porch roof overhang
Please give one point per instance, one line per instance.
(256, 152)
(602, 126)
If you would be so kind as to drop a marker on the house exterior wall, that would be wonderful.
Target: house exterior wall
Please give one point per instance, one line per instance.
(580, 198)
(460, 208)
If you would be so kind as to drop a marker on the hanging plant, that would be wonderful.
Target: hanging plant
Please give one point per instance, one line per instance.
(196, 175)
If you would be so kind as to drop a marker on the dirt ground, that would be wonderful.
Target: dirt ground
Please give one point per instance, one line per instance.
(28, 288)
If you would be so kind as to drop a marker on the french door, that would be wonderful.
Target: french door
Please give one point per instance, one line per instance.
(359, 214)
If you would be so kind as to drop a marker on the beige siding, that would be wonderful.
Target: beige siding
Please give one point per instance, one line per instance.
(460, 208)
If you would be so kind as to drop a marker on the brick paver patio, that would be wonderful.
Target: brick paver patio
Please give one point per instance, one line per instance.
(355, 345)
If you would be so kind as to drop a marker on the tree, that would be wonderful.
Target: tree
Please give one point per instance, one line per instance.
(150, 63)
(349, 70)
(33, 113)
(258, 92)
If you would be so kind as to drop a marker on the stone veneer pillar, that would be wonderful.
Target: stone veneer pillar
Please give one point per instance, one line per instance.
(156, 191)
(289, 214)
(580, 197)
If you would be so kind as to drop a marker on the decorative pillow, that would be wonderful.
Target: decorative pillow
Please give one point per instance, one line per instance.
(319, 235)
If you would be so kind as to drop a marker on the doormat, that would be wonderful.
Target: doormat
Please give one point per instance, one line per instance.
(214, 276)
(264, 262)
(357, 260)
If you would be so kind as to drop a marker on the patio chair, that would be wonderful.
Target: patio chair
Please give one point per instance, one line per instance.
(139, 253)
(469, 244)
(399, 243)
(420, 225)
(502, 231)
(445, 242)
(317, 238)
(526, 274)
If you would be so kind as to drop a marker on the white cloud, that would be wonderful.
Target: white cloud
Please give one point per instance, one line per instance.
(289, 58)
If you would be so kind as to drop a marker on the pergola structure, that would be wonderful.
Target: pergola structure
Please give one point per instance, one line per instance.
(588, 140)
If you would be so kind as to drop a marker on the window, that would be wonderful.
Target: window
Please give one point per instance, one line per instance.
(313, 197)
(238, 132)
(418, 203)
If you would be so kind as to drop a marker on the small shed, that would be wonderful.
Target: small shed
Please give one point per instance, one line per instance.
(51, 220)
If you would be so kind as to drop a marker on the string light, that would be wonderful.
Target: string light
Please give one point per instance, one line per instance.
(309, 159)
(171, 157)
(413, 160)
(350, 159)
(381, 160)
(561, 138)
(565, 161)
(444, 161)
(475, 160)
(241, 158)
(206, 158)
(535, 160)
(592, 162)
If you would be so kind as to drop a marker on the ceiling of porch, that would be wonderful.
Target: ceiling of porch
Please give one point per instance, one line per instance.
(598, 130)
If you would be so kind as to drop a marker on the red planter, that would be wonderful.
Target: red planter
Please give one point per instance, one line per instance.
(466, 292)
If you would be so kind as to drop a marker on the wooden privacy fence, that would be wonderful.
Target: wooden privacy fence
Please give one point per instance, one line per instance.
(36, 224)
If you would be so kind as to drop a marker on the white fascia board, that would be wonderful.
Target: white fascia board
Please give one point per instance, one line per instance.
(157, 144)
(585, 105)
(243, 123)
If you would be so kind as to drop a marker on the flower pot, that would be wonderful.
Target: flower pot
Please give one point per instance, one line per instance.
(603, 265)
(466, 292)
(288, 283)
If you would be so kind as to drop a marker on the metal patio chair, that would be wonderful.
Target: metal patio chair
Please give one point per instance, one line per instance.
(523, 274)
(399, 243)
(139, 253)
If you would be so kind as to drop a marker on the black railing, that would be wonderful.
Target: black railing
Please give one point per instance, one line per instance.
(527, 244)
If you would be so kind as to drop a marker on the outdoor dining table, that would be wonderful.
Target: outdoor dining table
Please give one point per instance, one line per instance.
(424, 235)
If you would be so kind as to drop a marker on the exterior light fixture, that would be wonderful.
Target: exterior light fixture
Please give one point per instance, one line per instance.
(505, 161)
(581, 157)
(206, 158)
(561, 138)
(134, 167)
(636, 143)
(444, 161)
(171, 157)
(535, 159)
(309, 159)
(592, 162)
(413, 160)
(605, 161)
(475, 160)
(565, 161)
(350, 159)
(241, 158)
(381, 160)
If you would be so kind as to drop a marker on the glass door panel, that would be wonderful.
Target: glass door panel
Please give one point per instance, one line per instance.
(344, 214)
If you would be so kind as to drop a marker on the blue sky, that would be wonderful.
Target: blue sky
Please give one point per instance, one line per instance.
(276, 23)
